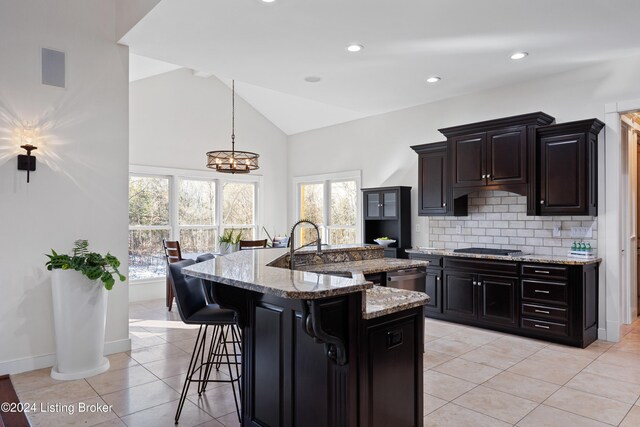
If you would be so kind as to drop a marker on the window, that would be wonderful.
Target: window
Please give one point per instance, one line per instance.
(331, 202)
(188, 206)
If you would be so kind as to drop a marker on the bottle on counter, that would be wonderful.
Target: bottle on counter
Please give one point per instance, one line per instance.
(574, 247)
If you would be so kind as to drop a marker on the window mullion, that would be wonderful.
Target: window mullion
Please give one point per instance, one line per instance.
(173, 207)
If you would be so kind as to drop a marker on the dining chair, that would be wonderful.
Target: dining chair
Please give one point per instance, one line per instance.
(253, 244)
(172, 254)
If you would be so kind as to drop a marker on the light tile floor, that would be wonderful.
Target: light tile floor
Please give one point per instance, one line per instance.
(472, 377)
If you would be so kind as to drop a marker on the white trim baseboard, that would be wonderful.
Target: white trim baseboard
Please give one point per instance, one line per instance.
(602, 334)
(613, 331)
(26, 364)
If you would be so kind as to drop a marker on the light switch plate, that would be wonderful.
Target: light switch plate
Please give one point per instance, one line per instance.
(556, 231)
(458, 229)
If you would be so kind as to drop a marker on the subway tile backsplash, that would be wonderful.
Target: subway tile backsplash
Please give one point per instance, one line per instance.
(499, 220)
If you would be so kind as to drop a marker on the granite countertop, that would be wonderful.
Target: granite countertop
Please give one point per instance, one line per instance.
(368, 266)
(380, 301)
(249, 270)
(547, 259)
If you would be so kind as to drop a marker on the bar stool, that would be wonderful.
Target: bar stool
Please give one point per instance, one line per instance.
(195, 309)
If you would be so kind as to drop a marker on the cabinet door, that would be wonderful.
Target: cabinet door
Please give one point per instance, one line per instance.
(459, 298)
(469, 153)
(432, 188)
(497, 299)
(390, 204)
(373, 205)
(562, 175)
(433, 288)
(506, 156)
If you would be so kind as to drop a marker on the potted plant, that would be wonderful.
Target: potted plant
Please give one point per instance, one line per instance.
(80, 282)
(229, 241)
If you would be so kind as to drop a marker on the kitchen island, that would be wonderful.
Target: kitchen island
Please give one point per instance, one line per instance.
(320, 349)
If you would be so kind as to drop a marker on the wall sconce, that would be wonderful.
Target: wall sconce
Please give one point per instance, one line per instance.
(28, 163)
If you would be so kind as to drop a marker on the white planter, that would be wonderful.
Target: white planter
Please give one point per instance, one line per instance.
(228, 248)
(80, 316)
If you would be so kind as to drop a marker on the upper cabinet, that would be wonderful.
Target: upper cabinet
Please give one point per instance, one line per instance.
(568, 168)
(434, 189)
(492, 155)
(387, 213)
(382, 204)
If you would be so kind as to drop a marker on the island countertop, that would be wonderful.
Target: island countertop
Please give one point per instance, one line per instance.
(380, 301)
(368, 266)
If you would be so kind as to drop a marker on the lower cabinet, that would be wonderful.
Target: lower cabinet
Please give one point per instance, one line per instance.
(554, 302)
(484, 298)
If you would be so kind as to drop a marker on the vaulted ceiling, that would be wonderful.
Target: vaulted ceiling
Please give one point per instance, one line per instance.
(270, 48)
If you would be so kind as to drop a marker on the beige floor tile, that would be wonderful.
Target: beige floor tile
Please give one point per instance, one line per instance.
(467, 370)
(441, 329)
(73, 416)
(474, 337)
(451, 415)
(176, 382)
(546, 416)
(593, 351)
(140, 397)
(445, 386)
(121, 379)
(158, 352)
(120, 361)
(66, 392)
(163, 415)
(116, 422)
(630, 346)
(454, 348)
(525, 387)
(229, 420)
(165, 368)
(632, 419)
(145, 339)
(553, 357)
(620, 358)
(556, 374)
(623, 373)
(606, 387)
(186, 345)
(496, 404)
(33, 380)
(216, 402)
(431, 403)
(525, 346)
(431, 359)
(492, 356)
(589, 405)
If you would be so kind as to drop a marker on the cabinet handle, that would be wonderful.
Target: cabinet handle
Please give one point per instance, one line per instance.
(488, 176)
(484, 176)
(541, 311)
(444, 205)
(542, 202)
(540, 326)
(541, 292)
(475, 283)
(479, 283)
(541, 271)
(437, 278)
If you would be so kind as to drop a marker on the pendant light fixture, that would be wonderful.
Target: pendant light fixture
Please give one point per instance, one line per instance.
(232, 161)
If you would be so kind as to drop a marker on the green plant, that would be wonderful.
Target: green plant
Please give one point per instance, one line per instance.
(91, 264)
(230, 238)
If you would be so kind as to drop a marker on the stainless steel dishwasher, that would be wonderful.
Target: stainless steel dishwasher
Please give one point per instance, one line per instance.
(412, 279)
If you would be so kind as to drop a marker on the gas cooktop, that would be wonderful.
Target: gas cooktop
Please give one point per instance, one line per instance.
(487, 251)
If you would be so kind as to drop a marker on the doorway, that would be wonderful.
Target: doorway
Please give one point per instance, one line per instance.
(630, 144)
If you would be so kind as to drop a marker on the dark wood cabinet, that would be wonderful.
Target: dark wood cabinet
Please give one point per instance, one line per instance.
(387, 213)
(492, 155)
(554, 302)
(568, 172)
(434, 188)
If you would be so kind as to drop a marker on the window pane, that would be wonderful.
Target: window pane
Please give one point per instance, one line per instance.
(196, 202)
(308, 234)
(238, 201)
(198, 240)
(312, 202)
(343, 203)
(146, 256)
(342, 236)
(148, 200)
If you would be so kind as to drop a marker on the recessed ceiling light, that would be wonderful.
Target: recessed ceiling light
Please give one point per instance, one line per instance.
(268, 1)
(355, 47)
(519, 55)
(433, 79)
(312, 79)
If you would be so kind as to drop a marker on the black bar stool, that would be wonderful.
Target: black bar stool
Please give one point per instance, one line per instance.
(194, 308)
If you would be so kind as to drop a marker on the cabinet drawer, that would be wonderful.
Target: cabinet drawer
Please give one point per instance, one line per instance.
(546, 271)
(479, 265)
(435, 261)
(536, 290)
(544, 312)
(545, 327)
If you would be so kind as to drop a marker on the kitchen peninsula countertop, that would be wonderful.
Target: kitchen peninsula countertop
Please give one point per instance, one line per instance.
(369, 266)
(547, 259)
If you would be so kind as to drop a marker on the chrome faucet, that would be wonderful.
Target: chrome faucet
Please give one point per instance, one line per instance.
(293, 240)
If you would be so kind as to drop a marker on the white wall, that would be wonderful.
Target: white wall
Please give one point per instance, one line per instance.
(80, 187)
(177, 117)
(379, 145)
